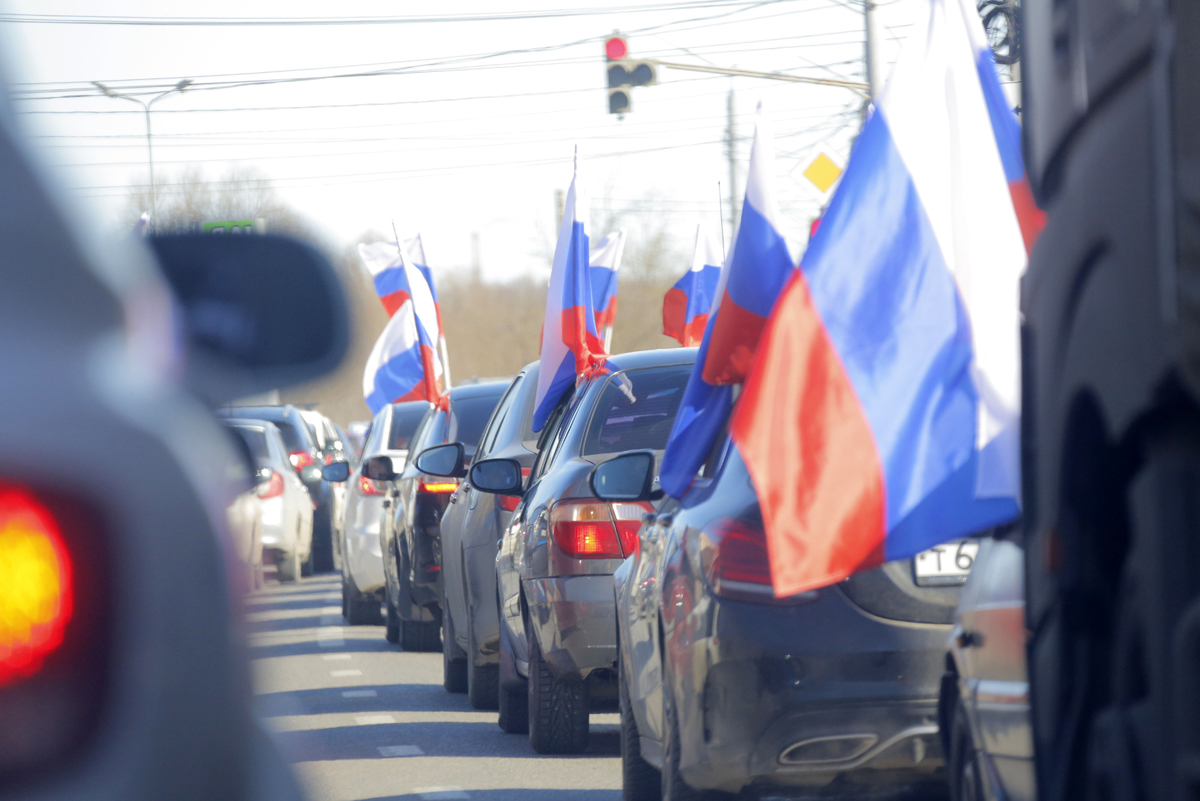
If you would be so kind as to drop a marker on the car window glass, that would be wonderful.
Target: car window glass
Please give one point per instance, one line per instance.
(404, 425)
(291, 437)
(371, 442)
(636, 410)
(431, 433)
(549, 433)
(255, 439)
(488, 441)
(717, 455)
(467, 417)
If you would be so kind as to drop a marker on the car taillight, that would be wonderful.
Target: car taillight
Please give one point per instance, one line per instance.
(737, 564)
(628, 518)
(300, 459)
(507, 503)
(36, 588)
(367, 487)
(329, 458)
(584, 529)
(436, 486)
(273, 488)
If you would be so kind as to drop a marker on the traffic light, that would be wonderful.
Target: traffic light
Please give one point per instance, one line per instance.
(624, 73)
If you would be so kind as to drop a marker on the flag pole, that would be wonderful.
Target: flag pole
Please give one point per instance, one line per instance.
(430, 382)
(721, 220)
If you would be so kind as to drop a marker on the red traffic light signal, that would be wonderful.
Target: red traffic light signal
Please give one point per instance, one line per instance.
(616, 48)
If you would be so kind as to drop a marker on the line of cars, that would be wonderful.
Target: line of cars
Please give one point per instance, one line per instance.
(564, 583)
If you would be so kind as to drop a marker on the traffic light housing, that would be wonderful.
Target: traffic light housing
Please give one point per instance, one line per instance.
(624, 73)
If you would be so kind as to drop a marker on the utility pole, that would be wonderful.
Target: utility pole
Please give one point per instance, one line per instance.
(731, 154)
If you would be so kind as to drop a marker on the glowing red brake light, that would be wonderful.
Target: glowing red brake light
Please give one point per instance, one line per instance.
(273, 488)
(584, 529)
(36, 592)
(367, 487)
(437, 487)
(300, 459)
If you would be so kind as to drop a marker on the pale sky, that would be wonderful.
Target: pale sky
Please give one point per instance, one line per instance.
(440, 148)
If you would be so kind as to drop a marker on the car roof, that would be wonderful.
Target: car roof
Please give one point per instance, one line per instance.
(479, 390)
(653, 358)
(265, 412)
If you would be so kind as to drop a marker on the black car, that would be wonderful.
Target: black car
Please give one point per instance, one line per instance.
(306, 457)
(724, 686)
(409, 533)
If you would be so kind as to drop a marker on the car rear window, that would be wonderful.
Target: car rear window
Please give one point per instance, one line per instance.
(292, 440)
(255, 440)
(636, 412)
(404, 425)
(468, 417)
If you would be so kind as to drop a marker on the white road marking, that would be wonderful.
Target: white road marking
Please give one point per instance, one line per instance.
(337, 674)
(373, 720)
(359, 694)
(338, 643)
(439, 793)
(400, 750)
(335, 656)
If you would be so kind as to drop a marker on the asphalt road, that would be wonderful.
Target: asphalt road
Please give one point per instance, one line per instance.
(360, 719)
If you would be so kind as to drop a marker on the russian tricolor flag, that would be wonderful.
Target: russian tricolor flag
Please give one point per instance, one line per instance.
(687, 304)
(404, 364)
(605, 262)
(758, 267)
(882, 414)
(571, 345)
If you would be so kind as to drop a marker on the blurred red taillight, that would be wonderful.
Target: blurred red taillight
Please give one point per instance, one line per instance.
(300, 459)
(367, 487)
(437, 486)
(584, 529)
(36, 592)
(273, 488)
(507, 503)
(737, 564)
(329, 458)
(628, 517)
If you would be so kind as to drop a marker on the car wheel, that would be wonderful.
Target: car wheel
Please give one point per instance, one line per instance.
(964, 770)
(322, 544)
(558, 709)
(393, 624)
(454, 667)
(514, 703)
(674, 788)
(640, 781)
(306, 567)
(358, 611)
(288, 567)
(483, 681)
(420, 635)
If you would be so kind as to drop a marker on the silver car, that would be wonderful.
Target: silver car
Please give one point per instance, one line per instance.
(287, 509)
(362, 560)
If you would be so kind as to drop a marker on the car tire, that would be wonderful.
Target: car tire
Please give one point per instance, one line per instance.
(483, 681)
(640, 781)
(558, 708)
(288, 567)
(454, 666)
(392, 623)
(322, 542)
(306, 567)
(964, 770)
(674, 788)
(514, 711)
(420, 635)
(358, 611)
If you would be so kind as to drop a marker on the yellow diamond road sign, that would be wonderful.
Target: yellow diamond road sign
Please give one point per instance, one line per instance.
(822, 172)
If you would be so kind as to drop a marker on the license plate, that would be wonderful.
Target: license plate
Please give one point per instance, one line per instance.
(949, 563)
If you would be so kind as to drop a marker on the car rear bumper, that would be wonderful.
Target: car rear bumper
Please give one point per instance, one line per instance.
(276, 535)
(575, 620)
(811, 695)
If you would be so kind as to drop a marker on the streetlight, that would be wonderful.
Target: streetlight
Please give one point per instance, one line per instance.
(110, 92)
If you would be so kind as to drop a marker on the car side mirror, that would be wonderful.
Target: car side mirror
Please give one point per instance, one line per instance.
(497, 476)
(443, 460)
(336, 471)
(628, 477)
(259, 312)
(379, 468)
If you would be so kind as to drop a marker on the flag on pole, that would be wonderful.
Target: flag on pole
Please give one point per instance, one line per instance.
(758, 266)
(687, 304)
(571, 344)
(605, 262)
(404, 364)
(882, 416)
(415, 248)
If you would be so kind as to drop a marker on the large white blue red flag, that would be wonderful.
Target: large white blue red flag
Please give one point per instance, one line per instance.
(404, 364)
(687, 304)
(757, 269)
(415, 248)
(571, 345)
(605, 262)
(883, 411)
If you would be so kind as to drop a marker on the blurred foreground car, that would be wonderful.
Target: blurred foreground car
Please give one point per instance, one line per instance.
(473, 524)
(558, 638)
(984, 707)
(410, 532)
(126, 679)
(244, 514)
(724, 686)
(287, 512)
(362, 564)
(306, 459)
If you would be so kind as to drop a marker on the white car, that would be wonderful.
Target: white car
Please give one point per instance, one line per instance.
(287, 508)
(362, 564)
